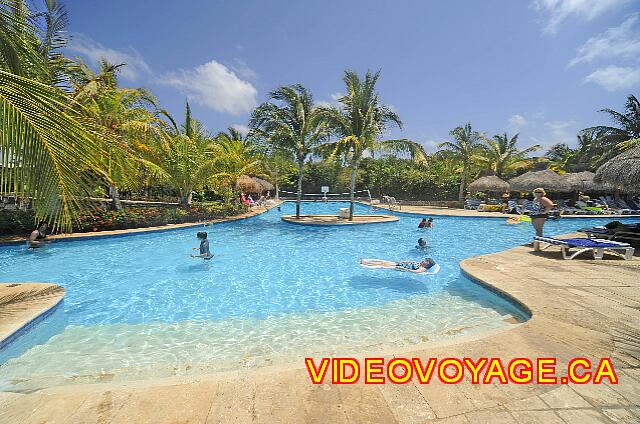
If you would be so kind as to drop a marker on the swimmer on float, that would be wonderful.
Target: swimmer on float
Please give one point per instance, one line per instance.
(205, 253)
(427, 265)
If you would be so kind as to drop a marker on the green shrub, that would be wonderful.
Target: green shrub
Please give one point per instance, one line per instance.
(14, 222)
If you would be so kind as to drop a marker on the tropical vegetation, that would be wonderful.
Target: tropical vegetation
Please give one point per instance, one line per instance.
(71, 133)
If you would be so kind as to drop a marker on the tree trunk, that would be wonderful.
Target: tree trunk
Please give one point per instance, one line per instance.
(463, 181)
(116, 205)
(186, 198)
(352, 195)
(277, 191)
(299, 193)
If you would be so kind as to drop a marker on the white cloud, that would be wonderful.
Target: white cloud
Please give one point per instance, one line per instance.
(560, 132)
(215, 86)
(622, 41)
(243, 129)
(615, 78)
(92, 51)
(241, 68)
(516, 123)
(336, 96)
(587, 10)
(322, 103)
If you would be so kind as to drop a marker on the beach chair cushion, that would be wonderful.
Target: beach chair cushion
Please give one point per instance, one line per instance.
(596, 246)
(582, 242)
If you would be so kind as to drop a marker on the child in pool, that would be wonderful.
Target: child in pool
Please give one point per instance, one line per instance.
(205, 253)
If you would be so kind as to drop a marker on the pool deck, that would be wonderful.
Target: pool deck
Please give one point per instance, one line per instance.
(443, 211)
(580, 308)
(22, 305)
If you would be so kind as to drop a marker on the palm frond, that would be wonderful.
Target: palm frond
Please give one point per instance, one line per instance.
(48, 148)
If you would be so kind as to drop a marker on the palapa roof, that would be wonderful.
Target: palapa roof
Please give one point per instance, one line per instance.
(489, 183)
(546, 179)
(246, 183)
(266, 185)
(622, 171)
(584, 181)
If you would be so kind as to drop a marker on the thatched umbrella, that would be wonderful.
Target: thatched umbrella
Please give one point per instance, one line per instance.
(584, 181)
(546, 179)
(246, 183)
(266, 185)
(489, 183)
(622, 171)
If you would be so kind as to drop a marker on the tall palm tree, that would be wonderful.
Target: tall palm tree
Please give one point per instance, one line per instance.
(501, 155)
(291, 125)
(182, 157)
(276, 166)
(465, 146)
(625, 135)
(359, 121)
(48, 149)
(128, 113)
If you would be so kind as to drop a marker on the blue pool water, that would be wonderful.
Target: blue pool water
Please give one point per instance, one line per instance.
(145, 290)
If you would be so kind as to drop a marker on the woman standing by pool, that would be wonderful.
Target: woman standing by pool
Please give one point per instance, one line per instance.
(541, 207)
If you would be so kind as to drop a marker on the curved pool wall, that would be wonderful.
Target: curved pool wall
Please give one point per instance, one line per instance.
(140, 306)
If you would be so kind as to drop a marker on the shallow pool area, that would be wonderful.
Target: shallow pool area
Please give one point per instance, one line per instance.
(138, 306)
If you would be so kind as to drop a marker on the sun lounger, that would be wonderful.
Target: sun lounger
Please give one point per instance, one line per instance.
(392, 202)
(472, 203)
(597, 247)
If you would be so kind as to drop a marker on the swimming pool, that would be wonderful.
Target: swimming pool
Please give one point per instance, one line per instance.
(139, 306)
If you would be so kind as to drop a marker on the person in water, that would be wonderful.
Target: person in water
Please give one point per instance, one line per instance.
(409, 266)
(204, 246)
(423, 223)
(422, 244)
(430, 223)
(540, 209)
(37, 236)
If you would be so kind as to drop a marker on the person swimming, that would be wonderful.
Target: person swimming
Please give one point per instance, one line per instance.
(205, 253)
(422, 244)
(410, 266)
(37, 236)
(422, 223)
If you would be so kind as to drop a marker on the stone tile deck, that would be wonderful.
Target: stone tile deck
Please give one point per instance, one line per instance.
(580, 308)
(22, 303)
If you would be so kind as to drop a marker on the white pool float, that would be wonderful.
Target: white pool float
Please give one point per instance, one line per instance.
(383, 264)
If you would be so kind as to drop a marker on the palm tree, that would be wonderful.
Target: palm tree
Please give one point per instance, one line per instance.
(501, 155)
(465, 146)
(182, 157)
(128, 113)
(622, 136)
(276, 166)
(48, 149)
(561, 157)
(292, 126)
(359, 122)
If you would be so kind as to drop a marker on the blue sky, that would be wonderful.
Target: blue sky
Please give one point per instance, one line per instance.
(542, 67)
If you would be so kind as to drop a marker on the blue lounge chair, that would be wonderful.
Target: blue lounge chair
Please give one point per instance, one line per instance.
(472, 204)
(597, 247)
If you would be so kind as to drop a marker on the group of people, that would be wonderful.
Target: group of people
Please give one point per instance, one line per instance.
(249, 202)
(410, 266)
